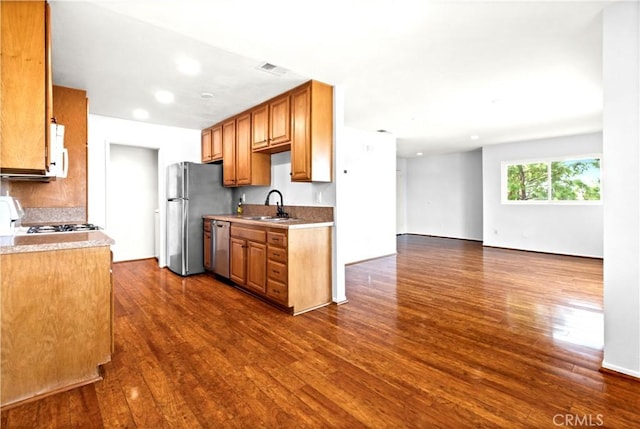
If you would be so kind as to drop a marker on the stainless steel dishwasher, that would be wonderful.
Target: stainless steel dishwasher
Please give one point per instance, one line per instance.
(220, 247)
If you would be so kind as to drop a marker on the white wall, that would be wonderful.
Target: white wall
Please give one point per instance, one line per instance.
(565, 229)
(401, 196)
(339, 294)
(173, 144)
(132, 229)
(621, 68)
(444, 195)
(369, 186)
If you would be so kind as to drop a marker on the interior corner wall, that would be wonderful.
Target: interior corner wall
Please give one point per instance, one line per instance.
(173, 144)
(563, 229)
(621, 68)
(444, 195)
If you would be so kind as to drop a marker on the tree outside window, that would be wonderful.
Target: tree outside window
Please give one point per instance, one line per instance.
(563, 180)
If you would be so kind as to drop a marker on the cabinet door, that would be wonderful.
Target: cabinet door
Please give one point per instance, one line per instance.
(279, 121)
(243, 150)
(207, 251)
(257, 266)
(70, 108)
(229, 153)
(24, 87)
(238, 263)
(205, 142)
(301, 141)
(260, 123)
(216, 143)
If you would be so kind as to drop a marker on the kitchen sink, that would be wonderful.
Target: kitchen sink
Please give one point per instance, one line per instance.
(268, 218)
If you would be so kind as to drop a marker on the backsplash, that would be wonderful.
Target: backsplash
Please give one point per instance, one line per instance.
(55, 215)
(322, 214)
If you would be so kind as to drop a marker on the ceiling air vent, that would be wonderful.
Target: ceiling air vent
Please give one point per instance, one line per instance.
(272, 68)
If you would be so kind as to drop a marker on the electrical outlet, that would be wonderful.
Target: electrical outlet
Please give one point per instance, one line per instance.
(243, 198)
(319, 197)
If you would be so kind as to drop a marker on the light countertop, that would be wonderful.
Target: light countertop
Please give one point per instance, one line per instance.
(293, 223)
(55, 241)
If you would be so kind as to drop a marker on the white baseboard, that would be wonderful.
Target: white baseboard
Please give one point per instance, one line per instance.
(621, 370)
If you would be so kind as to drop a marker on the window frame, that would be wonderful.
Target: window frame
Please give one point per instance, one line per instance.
(504, 191)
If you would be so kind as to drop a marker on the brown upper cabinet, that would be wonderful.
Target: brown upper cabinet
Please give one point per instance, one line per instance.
(71, 108)
(212, 144)
(26, 87)
(260, 123)
(216, 143)
(300, 120)
(229, 176)
(312, 133)
(205, 141)
(280, 121)
(241, 166)
(271, 123)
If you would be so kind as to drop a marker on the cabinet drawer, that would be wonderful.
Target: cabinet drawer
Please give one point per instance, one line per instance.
(277, 271)
(258, 235)
(277, 238)
(277, 253)
(278, 291)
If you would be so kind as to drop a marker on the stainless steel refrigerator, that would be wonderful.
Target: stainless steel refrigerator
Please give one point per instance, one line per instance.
(193, 190)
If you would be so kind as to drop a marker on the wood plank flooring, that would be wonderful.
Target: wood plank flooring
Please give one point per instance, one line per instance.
(447, 334)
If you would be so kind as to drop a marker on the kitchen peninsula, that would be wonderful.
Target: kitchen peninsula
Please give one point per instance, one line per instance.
(57, 313)
(284, 261)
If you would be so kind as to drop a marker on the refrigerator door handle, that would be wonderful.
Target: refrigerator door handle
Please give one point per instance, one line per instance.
(185, 237)
(185, 180)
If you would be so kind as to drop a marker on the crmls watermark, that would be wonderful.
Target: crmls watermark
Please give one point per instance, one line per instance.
(573, 420)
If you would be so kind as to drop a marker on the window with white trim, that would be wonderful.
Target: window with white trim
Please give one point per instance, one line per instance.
(574, 180)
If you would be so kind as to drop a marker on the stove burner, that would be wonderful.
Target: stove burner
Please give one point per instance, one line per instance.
(44, 229)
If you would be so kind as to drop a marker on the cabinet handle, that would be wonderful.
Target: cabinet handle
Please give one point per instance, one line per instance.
(276, 254)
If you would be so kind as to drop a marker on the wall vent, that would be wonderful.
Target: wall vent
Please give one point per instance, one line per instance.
(272, 68)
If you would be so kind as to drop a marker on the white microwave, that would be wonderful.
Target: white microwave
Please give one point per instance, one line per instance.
(58, 155)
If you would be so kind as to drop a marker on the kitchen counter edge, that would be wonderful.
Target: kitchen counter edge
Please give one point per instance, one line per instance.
(285, 224)
(58, 241)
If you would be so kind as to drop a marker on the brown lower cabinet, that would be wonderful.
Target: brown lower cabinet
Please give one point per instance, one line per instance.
(248, 257)
(290, 267)
(56, 321)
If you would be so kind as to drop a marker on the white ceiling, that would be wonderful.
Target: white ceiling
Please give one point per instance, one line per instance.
(433, 73)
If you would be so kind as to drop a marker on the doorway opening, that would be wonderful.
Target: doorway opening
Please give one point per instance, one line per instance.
(132, 202)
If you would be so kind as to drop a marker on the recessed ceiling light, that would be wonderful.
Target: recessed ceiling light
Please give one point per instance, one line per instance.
(140, 114)
(188, 66)
(419, 153)
(164, 97)
(206, 95)
(475, 137)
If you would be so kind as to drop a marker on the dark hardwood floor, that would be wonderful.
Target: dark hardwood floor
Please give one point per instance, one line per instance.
(445, 334)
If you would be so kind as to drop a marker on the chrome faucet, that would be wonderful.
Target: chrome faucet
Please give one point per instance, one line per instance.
(280, 207)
